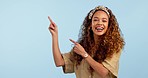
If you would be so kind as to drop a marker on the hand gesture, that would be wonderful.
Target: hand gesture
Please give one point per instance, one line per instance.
(53, 27)
(78, 48)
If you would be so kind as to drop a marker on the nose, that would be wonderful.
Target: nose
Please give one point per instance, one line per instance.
(99, 22)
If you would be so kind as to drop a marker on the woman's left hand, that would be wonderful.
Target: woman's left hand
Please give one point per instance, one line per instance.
(78, 48)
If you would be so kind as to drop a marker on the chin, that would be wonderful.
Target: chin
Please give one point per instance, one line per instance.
(100, 33)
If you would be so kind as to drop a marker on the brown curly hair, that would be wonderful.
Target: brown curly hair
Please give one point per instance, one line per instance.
(107, 44)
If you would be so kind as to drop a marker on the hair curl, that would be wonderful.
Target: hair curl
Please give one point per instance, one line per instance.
(110, 42)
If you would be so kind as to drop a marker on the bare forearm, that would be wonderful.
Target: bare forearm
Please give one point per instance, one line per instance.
(55, 46)
(98, 67)
(56, 52)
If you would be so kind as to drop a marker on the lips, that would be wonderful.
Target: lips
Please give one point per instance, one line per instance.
(99, 28)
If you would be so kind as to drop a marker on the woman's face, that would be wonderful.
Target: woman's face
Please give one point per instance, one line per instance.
(100, 22)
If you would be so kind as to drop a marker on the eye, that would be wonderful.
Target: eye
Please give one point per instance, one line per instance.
(95, 20)
(104, 20)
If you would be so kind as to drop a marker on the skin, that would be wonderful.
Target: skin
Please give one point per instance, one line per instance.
(55, 45)
(100, 18)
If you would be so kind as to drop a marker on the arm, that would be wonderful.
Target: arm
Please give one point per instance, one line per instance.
(55, 45)
(98, 67)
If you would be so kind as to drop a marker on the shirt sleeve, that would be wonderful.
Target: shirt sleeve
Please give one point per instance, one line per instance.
(112, 64)
(69, 65)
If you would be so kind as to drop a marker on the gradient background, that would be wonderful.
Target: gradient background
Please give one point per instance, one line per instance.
(25, 42)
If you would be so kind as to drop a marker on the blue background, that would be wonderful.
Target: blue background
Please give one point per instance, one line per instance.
(25, 42)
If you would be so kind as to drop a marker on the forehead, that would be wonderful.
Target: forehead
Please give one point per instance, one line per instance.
(100, 14)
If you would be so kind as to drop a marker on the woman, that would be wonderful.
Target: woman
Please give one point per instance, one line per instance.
(97, 52)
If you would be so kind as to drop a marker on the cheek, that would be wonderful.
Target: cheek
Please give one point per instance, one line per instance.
(93, 24)
(106, 28)
(106, 25)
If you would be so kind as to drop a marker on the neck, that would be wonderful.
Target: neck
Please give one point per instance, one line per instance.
(96, 39)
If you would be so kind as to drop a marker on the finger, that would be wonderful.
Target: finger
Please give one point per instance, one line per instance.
(51, 28)
(50, 19)
(54, 25)
(73, 41)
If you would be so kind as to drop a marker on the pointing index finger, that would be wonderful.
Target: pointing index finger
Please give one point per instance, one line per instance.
(50, 19)
(73, 41)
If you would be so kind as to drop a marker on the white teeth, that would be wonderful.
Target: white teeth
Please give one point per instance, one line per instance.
(99, 28)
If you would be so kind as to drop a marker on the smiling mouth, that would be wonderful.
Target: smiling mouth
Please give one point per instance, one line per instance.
(99, 28)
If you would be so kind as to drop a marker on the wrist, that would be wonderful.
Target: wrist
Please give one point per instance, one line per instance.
(85, 55)
(54, 35)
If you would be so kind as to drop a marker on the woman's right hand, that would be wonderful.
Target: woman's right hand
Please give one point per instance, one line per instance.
(53, 28)
(55, 45)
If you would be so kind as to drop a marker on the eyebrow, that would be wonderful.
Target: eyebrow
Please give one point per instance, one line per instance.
(101, 18)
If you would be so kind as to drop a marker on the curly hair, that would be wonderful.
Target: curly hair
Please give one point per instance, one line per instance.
(107, 44)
